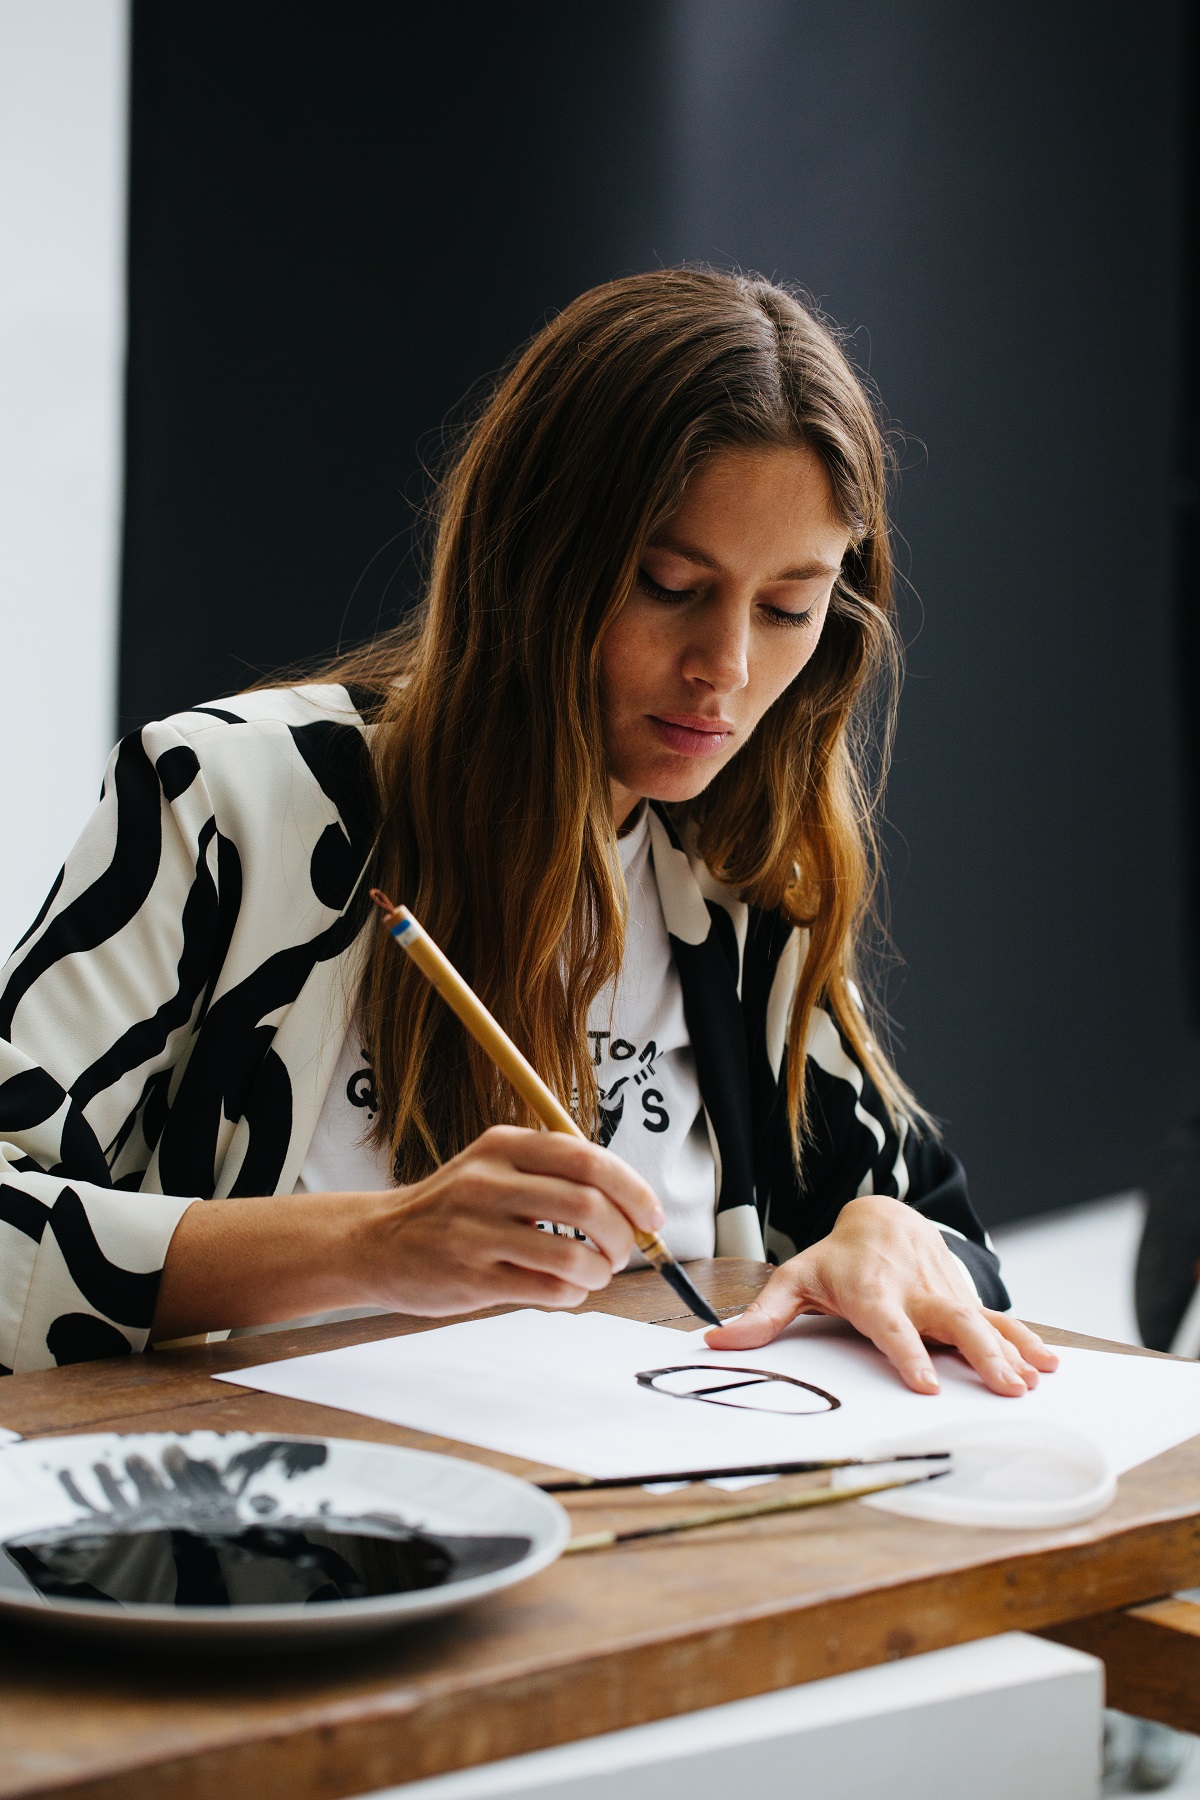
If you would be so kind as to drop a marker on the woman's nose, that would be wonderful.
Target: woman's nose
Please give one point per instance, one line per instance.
(718, 653)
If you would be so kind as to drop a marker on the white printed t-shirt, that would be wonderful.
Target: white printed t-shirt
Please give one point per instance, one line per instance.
(650, 1110)
(651, 1114)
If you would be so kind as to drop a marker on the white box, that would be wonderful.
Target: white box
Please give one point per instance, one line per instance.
(1006, 1718)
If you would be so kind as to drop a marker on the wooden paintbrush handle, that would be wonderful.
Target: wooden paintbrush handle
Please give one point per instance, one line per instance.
(728, 1515)
(441, 974)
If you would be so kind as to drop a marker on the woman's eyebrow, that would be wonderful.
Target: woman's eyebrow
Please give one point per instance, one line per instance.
(808, 571)
(689, 552)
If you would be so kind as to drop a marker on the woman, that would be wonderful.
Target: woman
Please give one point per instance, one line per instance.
(616, 767)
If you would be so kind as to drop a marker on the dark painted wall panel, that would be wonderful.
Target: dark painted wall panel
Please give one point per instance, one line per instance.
(344, 216)
(995, 204)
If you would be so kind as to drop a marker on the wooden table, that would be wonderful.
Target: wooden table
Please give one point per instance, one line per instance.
(592, 1644)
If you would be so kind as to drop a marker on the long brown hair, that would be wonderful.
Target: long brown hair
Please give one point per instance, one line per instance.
(496, 823)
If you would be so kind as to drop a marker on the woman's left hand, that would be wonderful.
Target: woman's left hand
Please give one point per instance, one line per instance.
(887, 1271)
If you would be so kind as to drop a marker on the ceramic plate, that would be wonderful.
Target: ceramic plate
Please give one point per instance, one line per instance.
(208, 1540)
(1029, 1475)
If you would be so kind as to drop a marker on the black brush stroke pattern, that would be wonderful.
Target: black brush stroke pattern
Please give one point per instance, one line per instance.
(748, 1108)
(226, 1062)
(82, 1157)
(177, 768)
(125, 1295)
(32, 1096)
(194, 968)
(23, 1212)
(230, 1058)
(81, 1337)
(115, 897)
(227, 1069)
(47, 903)
(708, 974)
(28, 1099)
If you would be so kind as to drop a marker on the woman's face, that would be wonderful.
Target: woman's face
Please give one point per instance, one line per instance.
(728, 607)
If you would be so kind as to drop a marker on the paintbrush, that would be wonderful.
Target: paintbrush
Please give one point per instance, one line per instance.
(754, 1509)
(440, 972)
(584, 1484)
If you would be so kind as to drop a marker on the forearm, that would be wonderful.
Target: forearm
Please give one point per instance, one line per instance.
(463, 1238)
(264, 1261)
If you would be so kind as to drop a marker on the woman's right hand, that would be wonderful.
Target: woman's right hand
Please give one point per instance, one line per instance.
(463, 1238)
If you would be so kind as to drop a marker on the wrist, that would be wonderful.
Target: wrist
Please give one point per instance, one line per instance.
(367, 1242)
(264, 1261)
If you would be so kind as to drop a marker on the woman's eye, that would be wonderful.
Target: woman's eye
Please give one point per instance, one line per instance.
(779, 615)
(657, 591)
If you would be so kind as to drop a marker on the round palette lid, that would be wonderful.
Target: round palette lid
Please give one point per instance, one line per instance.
(1010, 1475)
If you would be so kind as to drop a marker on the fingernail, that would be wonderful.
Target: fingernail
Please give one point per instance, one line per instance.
(927, 1378)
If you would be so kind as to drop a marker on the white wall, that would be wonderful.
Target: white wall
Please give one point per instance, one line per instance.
(63, 111)
(1075, 1268)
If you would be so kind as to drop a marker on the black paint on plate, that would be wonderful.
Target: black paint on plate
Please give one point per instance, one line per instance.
(287, 1562)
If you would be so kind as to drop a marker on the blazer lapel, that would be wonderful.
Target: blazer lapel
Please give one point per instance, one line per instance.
(705, 939)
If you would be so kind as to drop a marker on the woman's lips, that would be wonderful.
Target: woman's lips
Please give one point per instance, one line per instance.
(697, 737)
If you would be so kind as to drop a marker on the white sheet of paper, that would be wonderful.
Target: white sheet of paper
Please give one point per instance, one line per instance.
(561, 1389)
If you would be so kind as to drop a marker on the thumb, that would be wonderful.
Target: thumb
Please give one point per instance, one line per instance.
(762, 1320)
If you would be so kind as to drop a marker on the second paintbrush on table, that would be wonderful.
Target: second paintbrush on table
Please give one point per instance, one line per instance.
(750, 1509)
(462, 1000)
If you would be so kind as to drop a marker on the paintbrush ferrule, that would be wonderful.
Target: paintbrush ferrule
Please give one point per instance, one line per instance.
(591, 1540)
(653, 1248)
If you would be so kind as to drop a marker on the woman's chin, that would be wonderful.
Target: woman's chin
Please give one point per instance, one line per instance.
(675, 785)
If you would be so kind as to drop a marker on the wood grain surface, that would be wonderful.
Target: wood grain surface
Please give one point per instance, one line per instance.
(592, 1644)
(1152, 1658)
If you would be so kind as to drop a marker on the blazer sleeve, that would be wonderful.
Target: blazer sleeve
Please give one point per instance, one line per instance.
(96, 1006)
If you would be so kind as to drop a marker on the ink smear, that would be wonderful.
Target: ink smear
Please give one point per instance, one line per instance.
(292, 1562)
(182, 1539)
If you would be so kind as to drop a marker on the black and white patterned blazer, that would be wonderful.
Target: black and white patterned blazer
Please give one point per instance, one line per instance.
(170, 1024)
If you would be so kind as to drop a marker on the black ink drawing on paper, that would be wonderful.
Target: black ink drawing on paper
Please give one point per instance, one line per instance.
(756, 1390)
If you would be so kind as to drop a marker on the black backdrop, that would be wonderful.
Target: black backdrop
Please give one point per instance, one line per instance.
(344, 215)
